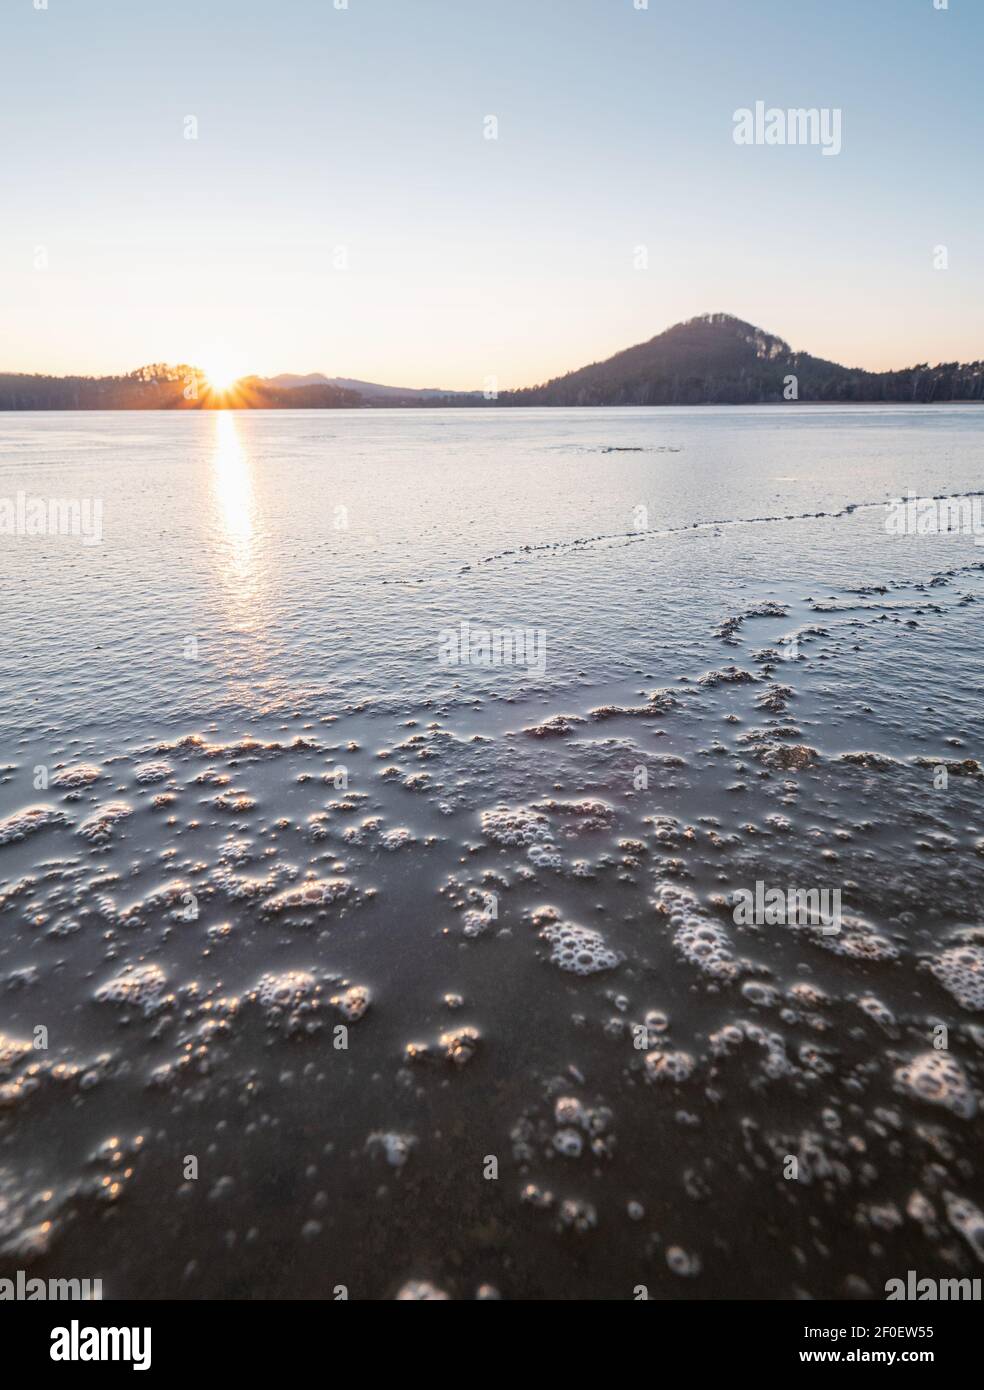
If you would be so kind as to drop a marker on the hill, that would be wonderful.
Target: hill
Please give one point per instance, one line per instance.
(717, 359)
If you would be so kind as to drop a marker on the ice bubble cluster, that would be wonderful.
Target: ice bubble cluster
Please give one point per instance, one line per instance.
(76, 776)
(700, 941)
(460, 1045)
(557, 726)
(397, 838)
(857, 940)
(313, 892)
(939, 1079)
(421, 1291)
(544, 856)
(960, 970)
(568, 1142)
(515, 825)
(99, 827)
(967, 1220)
(290, 999)
(394, 1147)
(24, 823)
(476, 922)
(732, 1036)
(577, 1215)
(672, 1067)
(139, 987)
(578, 949)
(154, 771)
(353, 1002)
(683, 1262)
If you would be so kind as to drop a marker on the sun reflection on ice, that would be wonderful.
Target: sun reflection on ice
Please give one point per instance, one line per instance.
(233, 487)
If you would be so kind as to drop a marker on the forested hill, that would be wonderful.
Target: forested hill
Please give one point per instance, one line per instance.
(720, 360)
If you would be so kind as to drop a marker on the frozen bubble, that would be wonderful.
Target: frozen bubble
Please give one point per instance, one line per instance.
(11, 1052)
(27, 822)
(733, 1036)
(784, 757)
(577, 949)
(673, 1067)
(313, 892)
(568, 1110)
(475, 922)
(288, 990)
(876, 1010)
(353, 1003)
(141, 987)
(397, 838)
(577, 1215)
(99, 826)
(760, 993)
(421, 1291)
(78, 775)
(568, 1142)
(681, 1262)
(535, 1196)
(960, 970)
(544, 856)
(700, 941)
(967, 1220)
(857, 940)
(515, 825)
(557, 726)
(727, 675)
(147, 773)
(290, 1000)
(460, 1045)
(233, 801)
(394, 1147)
(939, 1079)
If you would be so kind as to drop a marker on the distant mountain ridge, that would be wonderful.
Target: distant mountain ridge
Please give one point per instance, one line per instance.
(715, 359)
(371, 390)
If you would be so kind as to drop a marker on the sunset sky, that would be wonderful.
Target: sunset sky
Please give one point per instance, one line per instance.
(341, 210)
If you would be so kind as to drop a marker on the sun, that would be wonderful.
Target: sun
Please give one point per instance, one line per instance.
(222, 369)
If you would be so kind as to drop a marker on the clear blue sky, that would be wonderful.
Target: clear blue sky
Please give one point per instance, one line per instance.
(467, 258)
